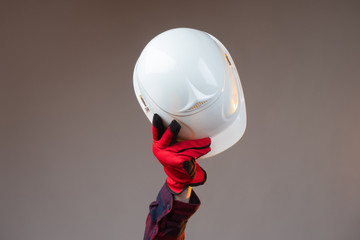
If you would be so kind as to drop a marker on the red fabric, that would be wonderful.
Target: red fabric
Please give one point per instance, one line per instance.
(179, 158)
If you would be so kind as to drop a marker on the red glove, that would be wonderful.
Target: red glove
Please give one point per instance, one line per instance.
(178, 158)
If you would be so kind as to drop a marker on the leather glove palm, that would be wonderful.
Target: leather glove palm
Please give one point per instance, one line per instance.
(178, 158)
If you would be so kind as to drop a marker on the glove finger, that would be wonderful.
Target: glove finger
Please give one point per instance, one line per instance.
(191, 144)
(195, 152)
(174, 138)
(170, 134)
(190, 167)
(200, 176)
(158, 127)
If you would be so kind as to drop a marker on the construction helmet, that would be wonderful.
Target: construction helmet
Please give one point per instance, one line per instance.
(188, 75)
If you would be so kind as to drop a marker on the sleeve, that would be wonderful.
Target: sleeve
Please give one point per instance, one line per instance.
(167, 217)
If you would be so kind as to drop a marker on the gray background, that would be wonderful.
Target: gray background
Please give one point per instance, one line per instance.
(75, 147)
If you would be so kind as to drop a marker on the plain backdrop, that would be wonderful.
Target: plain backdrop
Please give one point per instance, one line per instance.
(75, 147)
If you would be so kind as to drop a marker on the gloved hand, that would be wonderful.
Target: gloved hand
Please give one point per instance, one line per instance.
(178, 158)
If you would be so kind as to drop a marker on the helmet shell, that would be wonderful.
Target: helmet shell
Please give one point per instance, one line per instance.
(188, 75)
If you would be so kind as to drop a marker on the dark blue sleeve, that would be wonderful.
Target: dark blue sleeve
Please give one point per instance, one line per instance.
(167, 217)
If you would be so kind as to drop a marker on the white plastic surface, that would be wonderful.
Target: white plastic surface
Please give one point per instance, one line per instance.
(184, 74)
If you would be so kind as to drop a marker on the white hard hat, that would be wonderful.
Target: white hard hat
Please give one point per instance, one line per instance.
(188, 75)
